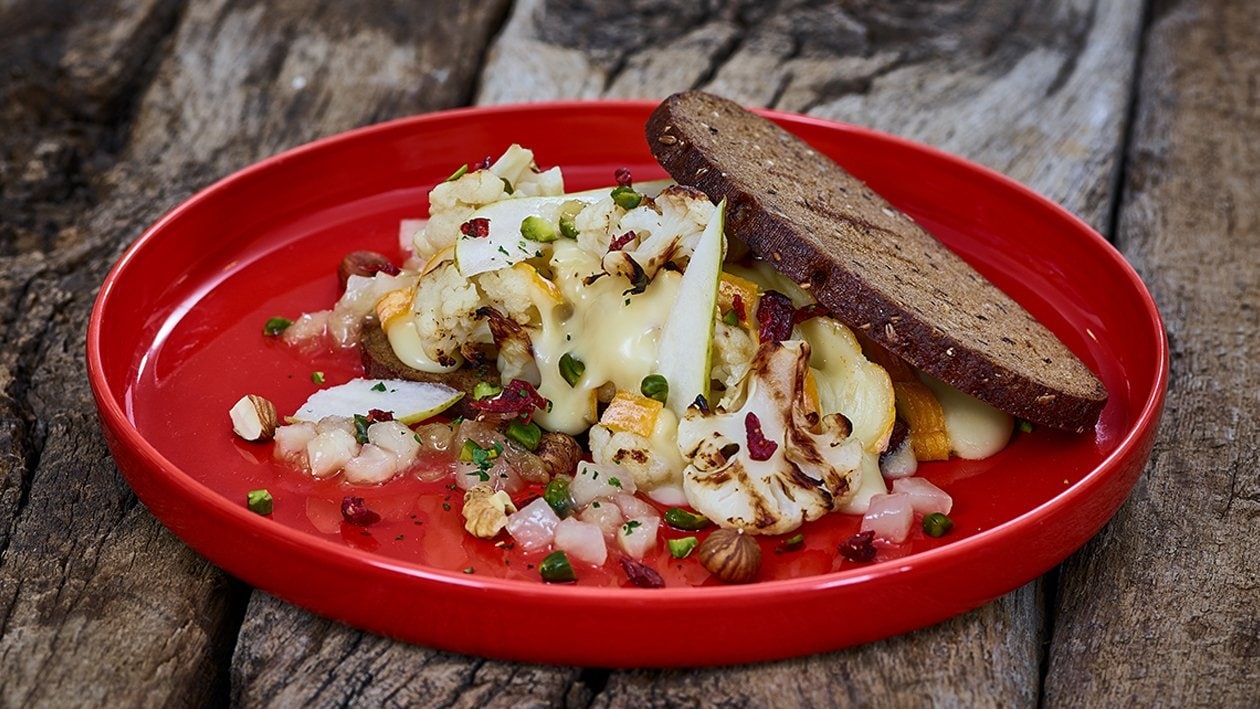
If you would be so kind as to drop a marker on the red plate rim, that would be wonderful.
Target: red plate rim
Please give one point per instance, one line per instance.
(114, 417)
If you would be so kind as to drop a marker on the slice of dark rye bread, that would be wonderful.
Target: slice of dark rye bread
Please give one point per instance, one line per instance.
(869, 264)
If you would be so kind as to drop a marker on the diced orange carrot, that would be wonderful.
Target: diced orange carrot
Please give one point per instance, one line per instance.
(918, 407)
(728, 288)
(631, 412)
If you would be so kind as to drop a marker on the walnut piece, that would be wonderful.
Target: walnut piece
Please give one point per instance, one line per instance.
(486, 511)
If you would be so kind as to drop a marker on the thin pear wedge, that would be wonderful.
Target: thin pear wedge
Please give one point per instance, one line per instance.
(409, 402)
(686, 347)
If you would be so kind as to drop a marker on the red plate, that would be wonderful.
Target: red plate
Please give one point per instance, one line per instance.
(175, 339)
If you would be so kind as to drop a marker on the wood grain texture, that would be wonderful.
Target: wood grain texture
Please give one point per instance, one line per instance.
(1163, 607)
(289, 657)
(150, 101)
(1038, 90)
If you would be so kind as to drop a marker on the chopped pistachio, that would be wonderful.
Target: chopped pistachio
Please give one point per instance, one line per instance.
(259, 501)
(536, 228)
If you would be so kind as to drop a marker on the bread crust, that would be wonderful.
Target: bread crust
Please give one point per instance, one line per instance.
(872, 266)
(380, 362)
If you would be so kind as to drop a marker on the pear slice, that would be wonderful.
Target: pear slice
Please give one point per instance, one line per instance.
(686, 345)
(409, 402)
(505, 246)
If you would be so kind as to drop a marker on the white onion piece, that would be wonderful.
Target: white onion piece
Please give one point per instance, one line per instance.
(637, 536)
(582, 541)
(396, 438)
(500, 476)
(328, 452)
(889, 516)
(634, 508)
(291, 442)
(671, 495)
(533, 526)
(925, 498)
(606, 515)
(594, 481)
(372, 465)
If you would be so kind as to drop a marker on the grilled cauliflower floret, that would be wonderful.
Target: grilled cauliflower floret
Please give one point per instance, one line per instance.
(667, 228)
(486, 511)
(445, 309)
(595, 224)
(650, 465)
(774, 463)
(733, 351)
(451, 203)
(509, 291)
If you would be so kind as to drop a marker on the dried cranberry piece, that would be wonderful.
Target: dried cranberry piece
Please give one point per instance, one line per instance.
(737, 306)
(377, 415)
(759, 447)
(859, 547)
(477, 228)
(641, 575)
(623, 177)
(620, 242)
(813, 310)
(363, 263)
(354, 510)
(774, 317)
(518, 397)
(483, 164)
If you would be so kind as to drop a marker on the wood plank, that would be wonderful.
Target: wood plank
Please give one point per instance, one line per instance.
(289, 657)
(98, 603)
(1164, 606)
(1039, 91)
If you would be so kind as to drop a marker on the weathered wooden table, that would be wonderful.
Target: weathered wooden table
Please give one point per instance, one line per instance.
(1141, 117)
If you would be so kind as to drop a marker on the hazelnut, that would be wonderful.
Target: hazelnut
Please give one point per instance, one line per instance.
(731, 555)
(363, 263)
(253, 418)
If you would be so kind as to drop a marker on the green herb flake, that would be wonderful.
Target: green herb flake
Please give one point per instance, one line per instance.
(793, 543)
(1025, 426)
(628, 528)
(731, 318)
(274, 326)
(259, 501)
(361, 424)
(469, 570)
(317, 377)
(379, 386)
(615, 482)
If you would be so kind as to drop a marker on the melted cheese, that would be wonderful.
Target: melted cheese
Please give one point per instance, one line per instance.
(976, 430)
(616, 336)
